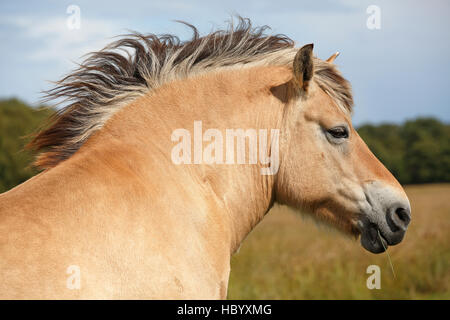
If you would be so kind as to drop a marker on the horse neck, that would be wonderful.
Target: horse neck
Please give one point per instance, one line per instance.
(226, 100)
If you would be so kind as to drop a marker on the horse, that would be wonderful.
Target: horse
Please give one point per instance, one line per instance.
(112, 215)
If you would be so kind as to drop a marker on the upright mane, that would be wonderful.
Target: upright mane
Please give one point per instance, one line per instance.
(112, 77)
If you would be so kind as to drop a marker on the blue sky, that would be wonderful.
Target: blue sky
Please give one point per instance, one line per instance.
(398, 72)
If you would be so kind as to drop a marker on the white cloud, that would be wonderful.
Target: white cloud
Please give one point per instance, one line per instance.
(56, 42)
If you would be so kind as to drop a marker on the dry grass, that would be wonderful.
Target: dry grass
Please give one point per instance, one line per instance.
(288, 257)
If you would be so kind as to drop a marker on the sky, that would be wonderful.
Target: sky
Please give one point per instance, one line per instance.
(396, 57)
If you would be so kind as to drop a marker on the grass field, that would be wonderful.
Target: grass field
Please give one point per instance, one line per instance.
(290, 257)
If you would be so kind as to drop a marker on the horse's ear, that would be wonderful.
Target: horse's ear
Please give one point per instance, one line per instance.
(333, 57)
(303, 66)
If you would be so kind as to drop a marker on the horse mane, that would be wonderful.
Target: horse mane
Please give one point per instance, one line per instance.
(112, 77)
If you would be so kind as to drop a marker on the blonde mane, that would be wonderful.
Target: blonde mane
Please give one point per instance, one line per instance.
(111, 78)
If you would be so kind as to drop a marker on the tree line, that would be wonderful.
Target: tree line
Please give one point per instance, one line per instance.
(417, 151)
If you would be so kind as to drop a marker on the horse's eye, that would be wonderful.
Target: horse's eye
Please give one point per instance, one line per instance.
(338, 132)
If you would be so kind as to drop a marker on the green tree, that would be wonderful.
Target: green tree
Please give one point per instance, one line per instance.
(427, 150)
(17, 121)
(416, 152)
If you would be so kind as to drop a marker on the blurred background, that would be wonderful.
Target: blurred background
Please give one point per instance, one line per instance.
(395, 54)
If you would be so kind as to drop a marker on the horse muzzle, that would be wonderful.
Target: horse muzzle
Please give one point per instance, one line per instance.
(385, 219)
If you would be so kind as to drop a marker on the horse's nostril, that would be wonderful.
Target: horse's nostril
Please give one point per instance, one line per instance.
(398, 219)
(403, 215)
